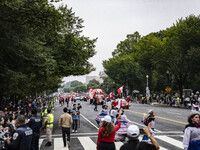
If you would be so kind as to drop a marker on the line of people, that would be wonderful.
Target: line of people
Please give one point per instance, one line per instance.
(20, 129)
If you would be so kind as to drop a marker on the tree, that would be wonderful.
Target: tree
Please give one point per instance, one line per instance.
(94, 84)
(40, 44)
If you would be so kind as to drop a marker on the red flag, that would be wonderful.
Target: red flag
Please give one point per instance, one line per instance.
(110, 95)
(120, 89)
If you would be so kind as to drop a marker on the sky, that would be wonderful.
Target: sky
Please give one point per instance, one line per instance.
(111, 20)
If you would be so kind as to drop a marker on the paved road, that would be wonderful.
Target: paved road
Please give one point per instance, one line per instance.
(169, 127)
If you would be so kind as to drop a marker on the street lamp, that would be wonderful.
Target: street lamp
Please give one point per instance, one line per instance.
(147, 88)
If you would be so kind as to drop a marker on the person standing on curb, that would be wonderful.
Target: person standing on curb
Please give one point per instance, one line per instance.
(65, 122)
(75, 116)
(35, 124)
(49, 126)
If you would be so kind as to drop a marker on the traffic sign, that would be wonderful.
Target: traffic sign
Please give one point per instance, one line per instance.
(168, 89)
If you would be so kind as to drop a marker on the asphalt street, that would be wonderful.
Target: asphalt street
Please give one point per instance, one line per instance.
(170, 123)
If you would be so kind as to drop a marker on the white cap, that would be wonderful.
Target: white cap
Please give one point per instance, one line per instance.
(150, 111)
(107, 118)
(133, 131)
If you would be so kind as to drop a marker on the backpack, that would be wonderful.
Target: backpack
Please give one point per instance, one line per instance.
(145, 120)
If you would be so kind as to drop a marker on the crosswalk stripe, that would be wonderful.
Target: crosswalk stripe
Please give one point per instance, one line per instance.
(58, 144)
(118, 145)
(170, 141)
(87, 143)
(40, 142)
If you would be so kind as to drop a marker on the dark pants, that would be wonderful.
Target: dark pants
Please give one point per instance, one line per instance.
(106, 146)
(64, 132)
(75, 123)
(95, 107)
(35, 141)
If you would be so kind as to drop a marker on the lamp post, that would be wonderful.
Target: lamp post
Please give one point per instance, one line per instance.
(147, 88)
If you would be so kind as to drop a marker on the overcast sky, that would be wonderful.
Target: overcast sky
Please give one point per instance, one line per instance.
(111, 20)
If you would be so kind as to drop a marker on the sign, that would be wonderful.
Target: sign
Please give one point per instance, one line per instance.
(168, 89)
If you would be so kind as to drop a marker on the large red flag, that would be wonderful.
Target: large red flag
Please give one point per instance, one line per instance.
(120, 89)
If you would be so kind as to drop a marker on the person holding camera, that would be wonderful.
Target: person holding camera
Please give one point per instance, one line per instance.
(134, 143)
(22, 138)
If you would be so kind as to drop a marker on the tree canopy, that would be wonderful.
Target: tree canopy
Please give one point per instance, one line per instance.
(40, 44)
(169, 57)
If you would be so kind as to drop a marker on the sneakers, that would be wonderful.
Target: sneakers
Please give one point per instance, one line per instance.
(76, 131)
(72, 130)
(68, 144)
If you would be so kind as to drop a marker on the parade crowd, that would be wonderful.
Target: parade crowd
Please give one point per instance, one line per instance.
(20, 126)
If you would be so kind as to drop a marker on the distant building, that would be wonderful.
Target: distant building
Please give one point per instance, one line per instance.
(102, 74)
(89, 78)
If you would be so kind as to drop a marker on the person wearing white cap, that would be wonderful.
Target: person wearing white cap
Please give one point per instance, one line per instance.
(106, 135)
(133, 142)
(150, 122)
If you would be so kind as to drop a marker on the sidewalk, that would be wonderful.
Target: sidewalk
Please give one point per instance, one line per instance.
(167, 105)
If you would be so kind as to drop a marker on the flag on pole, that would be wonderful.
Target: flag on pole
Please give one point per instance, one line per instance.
(110, 95)
(120, 90)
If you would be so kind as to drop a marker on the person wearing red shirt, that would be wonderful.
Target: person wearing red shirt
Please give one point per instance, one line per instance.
(106, 135)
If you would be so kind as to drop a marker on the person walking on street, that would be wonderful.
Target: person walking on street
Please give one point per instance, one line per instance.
(133, 142)
(106, 135)
(22, 138)
(35, 124)
(95, 104)
(65, 122)
(191, 139)
(150, 123)
(75, 115)
(49, 126)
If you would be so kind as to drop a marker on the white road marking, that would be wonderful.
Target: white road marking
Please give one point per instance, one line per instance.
(40, 142)
(90, 122)
(118, 145)
(170, 141)
(87, 143)
(59, 145)
(174, 113)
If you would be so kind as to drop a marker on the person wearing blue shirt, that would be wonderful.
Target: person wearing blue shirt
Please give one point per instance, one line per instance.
(75, 116)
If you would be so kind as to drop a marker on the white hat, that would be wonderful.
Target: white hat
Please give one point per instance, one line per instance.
(150, 111)
(107, 118)
(133, 131)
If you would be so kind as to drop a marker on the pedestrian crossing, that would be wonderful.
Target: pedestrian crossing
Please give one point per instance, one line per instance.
(89, 143)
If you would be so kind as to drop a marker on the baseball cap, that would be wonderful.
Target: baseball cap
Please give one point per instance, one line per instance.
(107, 118)
(133, 131)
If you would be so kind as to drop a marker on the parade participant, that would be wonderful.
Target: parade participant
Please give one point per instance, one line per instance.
(35, 124)
(113, 113)
(75, 116)
(104, 110)
(133, 142)
(195, 106)
(150, 123)
(95, 104)
(65, 122)
(191, 139)
(125, 123)
(22, 137)
(67, 101)
(106, 135)
(49, 119)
